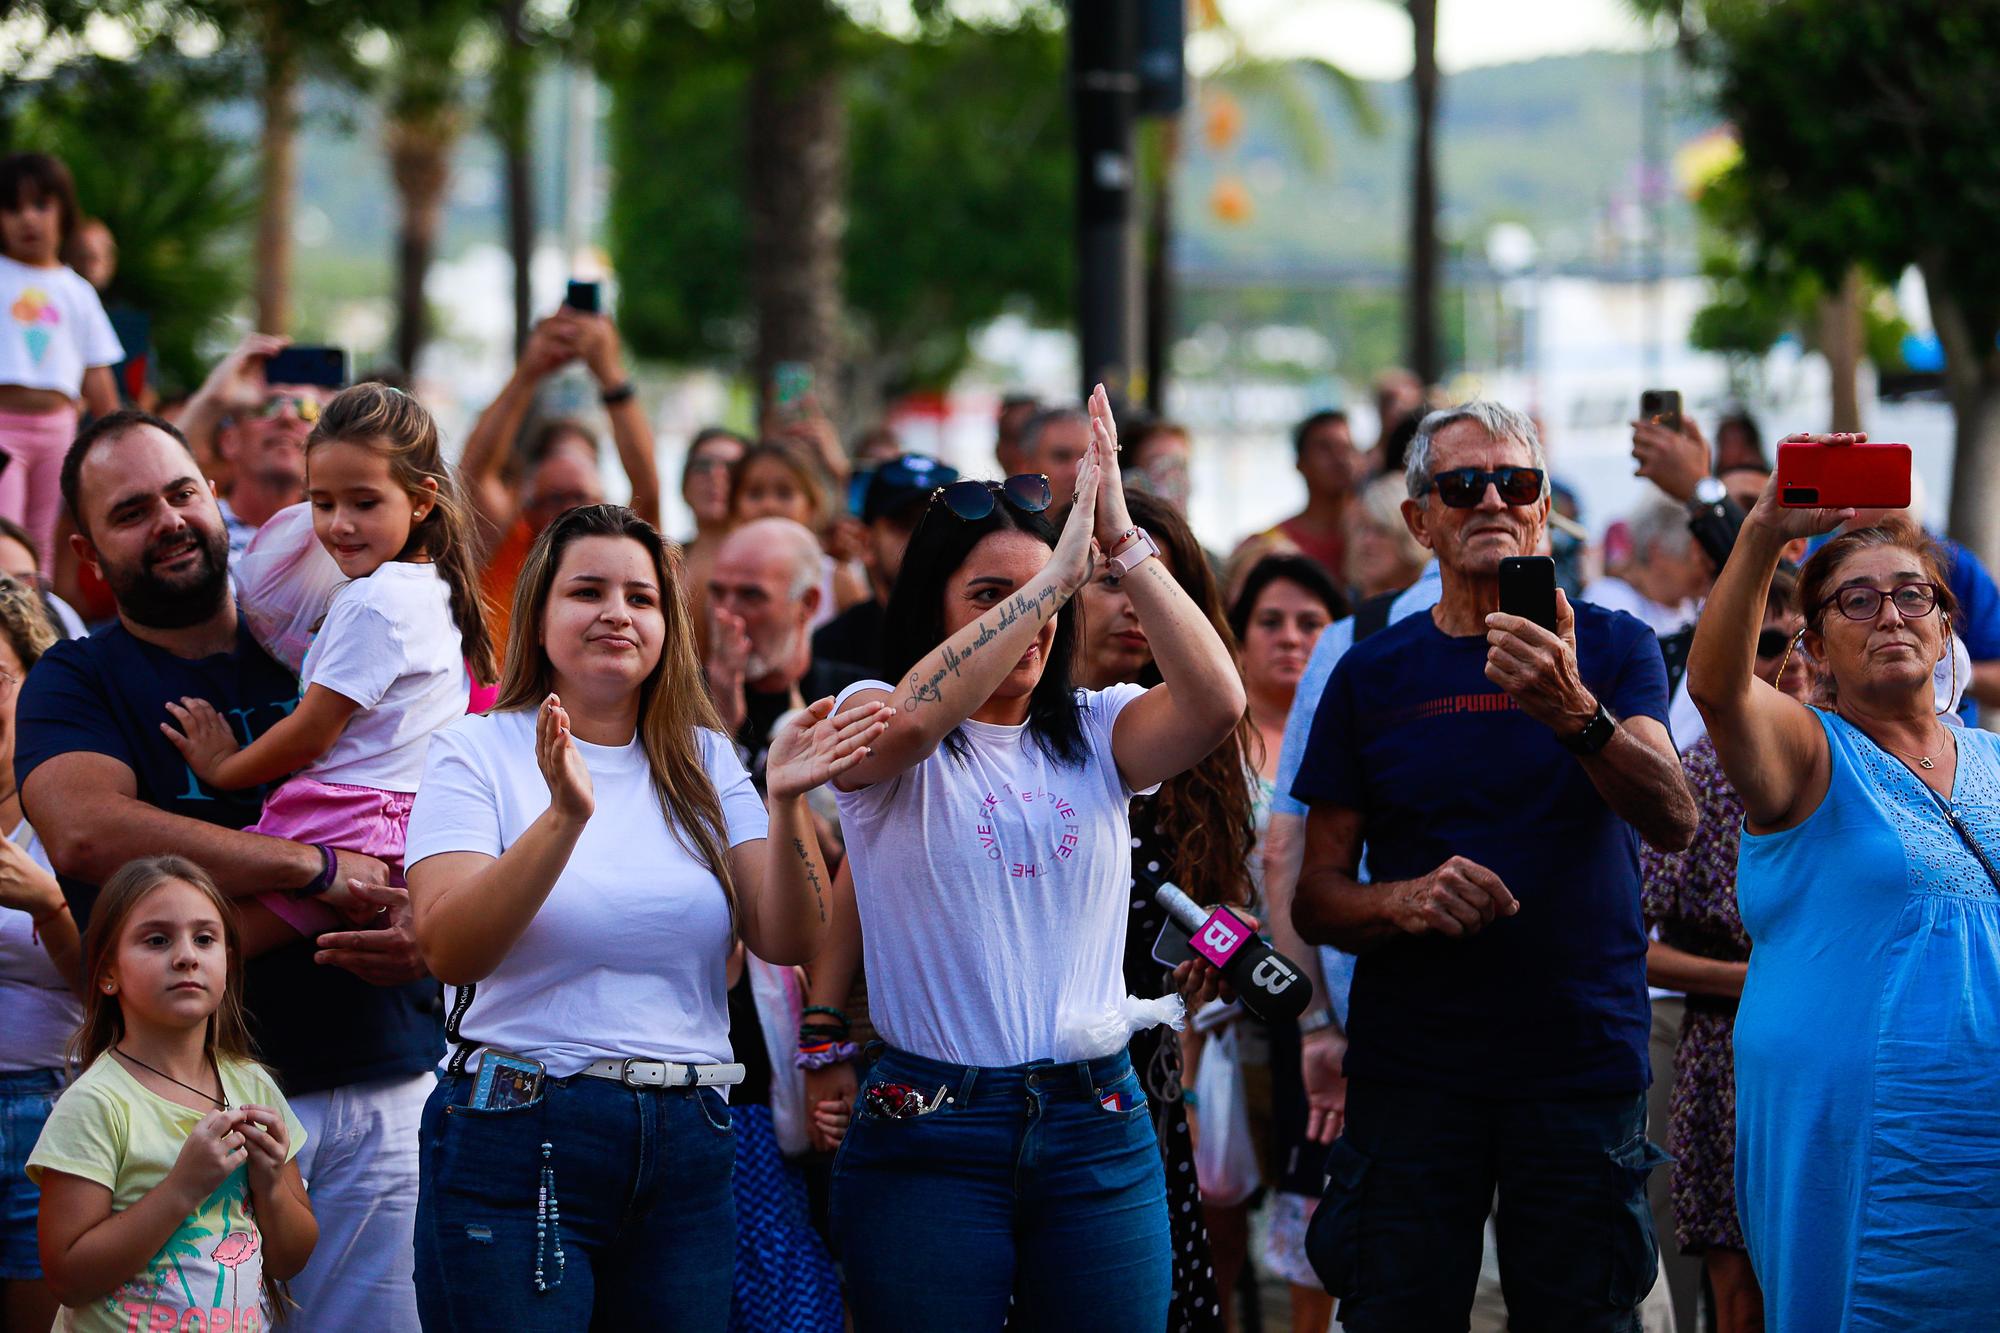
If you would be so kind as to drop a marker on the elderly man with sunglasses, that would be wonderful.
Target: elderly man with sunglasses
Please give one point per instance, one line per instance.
(1500, 776)
(249, 436)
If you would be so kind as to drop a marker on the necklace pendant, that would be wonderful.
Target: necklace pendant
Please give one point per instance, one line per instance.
(1926, 763)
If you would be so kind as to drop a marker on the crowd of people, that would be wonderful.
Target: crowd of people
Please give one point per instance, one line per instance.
(433, 898)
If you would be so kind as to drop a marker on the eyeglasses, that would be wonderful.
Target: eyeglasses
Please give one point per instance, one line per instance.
(305, 409)
(1465, 487)
(974, 500)
(1772, 642)
(1861, 602)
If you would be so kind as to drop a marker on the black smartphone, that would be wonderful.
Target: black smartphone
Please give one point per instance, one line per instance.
(582, 297)
(305, 364)
(1662, 406)
(1528, 589)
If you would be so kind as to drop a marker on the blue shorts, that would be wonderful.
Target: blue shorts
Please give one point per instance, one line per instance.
(25, 1099)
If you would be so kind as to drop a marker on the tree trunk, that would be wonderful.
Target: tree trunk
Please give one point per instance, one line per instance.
(1160, 267)
(513, 98)
(279, 96)
(1972, 379)
(420, 165)
(1842, 341)
(797, 150)
(1423, 275)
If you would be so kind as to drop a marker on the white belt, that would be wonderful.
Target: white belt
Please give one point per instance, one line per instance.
(663, 1073)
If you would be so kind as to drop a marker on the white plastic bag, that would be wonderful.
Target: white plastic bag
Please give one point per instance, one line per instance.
(284, 582)
(1225, 1159)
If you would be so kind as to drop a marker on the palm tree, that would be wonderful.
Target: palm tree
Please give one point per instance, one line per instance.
(426, 117)
(1423, 260)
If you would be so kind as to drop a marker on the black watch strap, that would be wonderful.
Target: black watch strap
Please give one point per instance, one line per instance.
(1596, 733)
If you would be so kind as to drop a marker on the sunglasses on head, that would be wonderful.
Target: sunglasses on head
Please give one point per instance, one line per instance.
(974, 500)
(1465, 487)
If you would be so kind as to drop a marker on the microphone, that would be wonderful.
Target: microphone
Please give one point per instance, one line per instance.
(1269, 984)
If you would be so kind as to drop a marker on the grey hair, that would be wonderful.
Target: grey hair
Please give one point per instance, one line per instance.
(794, 540)
(1031, 434)
(1660, 525)
(1496, 419)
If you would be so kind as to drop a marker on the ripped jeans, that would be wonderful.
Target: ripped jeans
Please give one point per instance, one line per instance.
(958, 1188)
(626, 1222)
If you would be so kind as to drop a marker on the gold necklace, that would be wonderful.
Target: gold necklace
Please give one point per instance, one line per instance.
(1923, 760)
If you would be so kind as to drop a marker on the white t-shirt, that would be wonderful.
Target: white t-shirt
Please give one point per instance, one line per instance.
(993, 891)
(627, 954)
(41, 1012)
(53, 330)
(1615, 594)
(389, 644)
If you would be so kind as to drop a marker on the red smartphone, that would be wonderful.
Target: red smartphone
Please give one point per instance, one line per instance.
(1843, 476)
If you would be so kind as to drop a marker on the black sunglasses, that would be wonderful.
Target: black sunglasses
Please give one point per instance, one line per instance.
(1465, 487)
(973, 500)
(1772, 642)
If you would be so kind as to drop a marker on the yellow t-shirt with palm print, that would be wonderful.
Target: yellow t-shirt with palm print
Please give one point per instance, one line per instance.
(111, 1129)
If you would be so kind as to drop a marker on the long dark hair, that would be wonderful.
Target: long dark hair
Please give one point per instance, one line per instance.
(913, 623)
(1286, 567)
(1205, 817)
(673, 700)
(396, 426)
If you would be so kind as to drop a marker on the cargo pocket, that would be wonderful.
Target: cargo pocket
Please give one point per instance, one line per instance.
(1333, 1238)
(1635, 1250)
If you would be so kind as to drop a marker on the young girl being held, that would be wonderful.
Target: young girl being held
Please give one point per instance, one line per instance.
(56, 343)
(166, 1170)
(388, 667)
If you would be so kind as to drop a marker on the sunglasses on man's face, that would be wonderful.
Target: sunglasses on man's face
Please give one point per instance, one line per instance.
(974, 500)
(305, 409)
(1465, 487)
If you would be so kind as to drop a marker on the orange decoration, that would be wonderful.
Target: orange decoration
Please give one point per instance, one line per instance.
(1230, 201)
(1222, 120)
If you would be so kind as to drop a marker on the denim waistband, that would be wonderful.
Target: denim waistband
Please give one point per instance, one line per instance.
(1081, 1078)
(18, 1082)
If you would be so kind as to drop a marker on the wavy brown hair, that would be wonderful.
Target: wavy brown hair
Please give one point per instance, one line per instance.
(396, 426)
(1205, 816)
(673, 701)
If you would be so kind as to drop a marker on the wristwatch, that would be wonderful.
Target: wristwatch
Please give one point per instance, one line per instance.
(1315, 1020)
(1710, 490)
(1137, 547)
(1596, 733)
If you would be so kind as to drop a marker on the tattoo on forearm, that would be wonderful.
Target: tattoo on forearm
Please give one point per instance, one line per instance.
(812, 876)
(928, 691)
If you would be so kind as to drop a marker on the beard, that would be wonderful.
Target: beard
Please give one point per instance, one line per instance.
(179, 601)
(758, 664)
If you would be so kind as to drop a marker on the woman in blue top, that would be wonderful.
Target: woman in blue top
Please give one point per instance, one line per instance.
(1868, 1040)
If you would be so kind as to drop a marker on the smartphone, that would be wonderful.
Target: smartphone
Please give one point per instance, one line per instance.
(505, 1081)
(1844, 476)
(1173, 947)
(1528, 589)
(582, 297)
(302, 364)
(1662, 406)
(791, 384)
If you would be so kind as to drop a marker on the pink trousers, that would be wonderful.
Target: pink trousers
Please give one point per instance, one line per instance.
(332, 814)
(31, 485)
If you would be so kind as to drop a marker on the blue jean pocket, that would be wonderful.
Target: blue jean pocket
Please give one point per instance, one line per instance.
(1124, 1096)
(715, 1112)
(1635, 1251)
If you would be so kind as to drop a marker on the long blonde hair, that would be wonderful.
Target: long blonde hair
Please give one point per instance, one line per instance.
(673, 701)
(396, 426)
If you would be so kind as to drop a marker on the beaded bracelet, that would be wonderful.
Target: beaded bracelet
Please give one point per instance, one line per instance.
(837, 1015)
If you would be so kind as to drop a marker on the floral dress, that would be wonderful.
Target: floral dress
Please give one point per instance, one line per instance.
(1690, 898)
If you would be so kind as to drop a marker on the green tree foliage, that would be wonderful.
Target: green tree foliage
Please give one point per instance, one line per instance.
(959, 199)
(136, 134)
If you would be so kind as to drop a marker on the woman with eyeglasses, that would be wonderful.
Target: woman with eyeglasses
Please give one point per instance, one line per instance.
(1868, 1035)
(1700, 950)
(1002, 1149)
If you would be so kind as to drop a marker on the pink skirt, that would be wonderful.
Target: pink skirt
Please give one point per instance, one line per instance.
(333, 814)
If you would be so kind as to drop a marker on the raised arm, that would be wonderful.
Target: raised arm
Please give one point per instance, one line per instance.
(631, 433)
(1770, 745)
(484, 458)
(960, 674)
(1177, 723)
(236, 385)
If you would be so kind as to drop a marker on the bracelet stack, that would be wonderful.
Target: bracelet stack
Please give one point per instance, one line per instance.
(824, 1044)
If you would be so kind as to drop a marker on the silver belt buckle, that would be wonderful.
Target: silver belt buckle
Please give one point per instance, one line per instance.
(625, 1074)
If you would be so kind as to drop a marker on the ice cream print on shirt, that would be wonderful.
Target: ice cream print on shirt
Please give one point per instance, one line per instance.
(207, 1278)
(1043, 825)
(38, 319)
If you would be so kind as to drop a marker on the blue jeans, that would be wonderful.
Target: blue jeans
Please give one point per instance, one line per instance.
(639, 1205)
(1020, 1183)
(1399, 1235)
(26, 1098)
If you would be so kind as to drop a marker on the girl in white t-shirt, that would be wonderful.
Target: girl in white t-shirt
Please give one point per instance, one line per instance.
(1001, 1150)
(56, 343)
(170, 1197)
(580, 858)
(388, 666)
